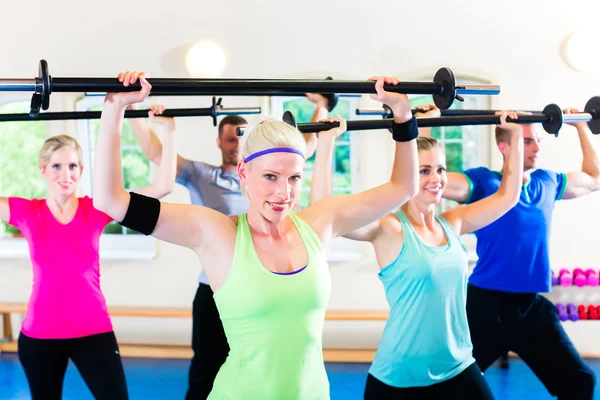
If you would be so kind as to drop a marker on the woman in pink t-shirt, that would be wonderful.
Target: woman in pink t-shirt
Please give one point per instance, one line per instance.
(67, 317)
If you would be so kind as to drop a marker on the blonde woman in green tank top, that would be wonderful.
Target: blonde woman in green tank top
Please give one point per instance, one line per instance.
(268, 268)
(426, 351)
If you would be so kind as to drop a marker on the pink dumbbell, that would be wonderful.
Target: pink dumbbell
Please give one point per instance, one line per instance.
(579, 277)
(592, 277)
(565, 277)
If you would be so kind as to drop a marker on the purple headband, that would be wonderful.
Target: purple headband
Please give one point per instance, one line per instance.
(273, 150)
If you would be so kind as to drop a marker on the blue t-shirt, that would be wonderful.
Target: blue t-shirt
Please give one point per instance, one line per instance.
(513, 250)
(214, 188)
(426, 339)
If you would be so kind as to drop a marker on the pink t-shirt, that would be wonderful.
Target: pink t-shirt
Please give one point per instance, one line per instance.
(66, 300)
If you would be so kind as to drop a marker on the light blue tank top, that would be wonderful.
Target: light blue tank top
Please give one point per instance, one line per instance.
(426, 339)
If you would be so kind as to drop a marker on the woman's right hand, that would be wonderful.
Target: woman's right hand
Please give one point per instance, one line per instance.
(168, 123)
(125, 99)
(336, 132)
(429, 110)
(397, 102)
(509, 126)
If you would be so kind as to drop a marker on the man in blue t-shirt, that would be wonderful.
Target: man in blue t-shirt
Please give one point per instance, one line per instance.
(504, 309)
(216, 187)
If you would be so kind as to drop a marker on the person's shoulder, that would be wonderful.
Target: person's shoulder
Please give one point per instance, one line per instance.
(22, 202)
(391, 224)
(86, 201)
(203, 167)
(481, 174)
(33, 203)
(545, 174)
(88, 207)
(477, 171)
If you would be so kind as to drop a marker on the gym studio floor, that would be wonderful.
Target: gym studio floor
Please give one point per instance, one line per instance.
(153, 379)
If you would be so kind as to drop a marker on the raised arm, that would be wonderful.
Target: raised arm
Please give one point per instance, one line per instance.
(147, 139)
(165, 177)
(587, 180)
(319, 114)
(322, 183)
(181, 224)
(477, 215)
(343, 214)
(4, 209)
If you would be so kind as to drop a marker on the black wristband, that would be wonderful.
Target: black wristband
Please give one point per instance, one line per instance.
(405, 132)
(142, 213)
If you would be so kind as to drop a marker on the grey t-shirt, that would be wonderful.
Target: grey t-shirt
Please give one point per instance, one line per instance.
(214, 188)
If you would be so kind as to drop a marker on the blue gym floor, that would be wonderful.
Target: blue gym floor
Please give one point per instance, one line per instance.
(150, 379)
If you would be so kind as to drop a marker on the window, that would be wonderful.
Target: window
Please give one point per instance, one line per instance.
(136, 167)
(345, 161)
(116, 242)
(465, 146)
(20, 143)
(345, 156)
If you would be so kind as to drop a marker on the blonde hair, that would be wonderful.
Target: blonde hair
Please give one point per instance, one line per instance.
(56, 143)
(268, 133)
(426, 143)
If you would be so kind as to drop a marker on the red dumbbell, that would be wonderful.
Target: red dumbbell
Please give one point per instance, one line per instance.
(593, 312)
(582, 312)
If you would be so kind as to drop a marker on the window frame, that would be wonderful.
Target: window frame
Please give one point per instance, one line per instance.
(483, 149)
(12, 248)
(342, 249)
(113, 246)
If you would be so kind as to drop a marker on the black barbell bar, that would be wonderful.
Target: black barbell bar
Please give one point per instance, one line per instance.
(551, 119)
(215, 111)
(443, 88)
(591, 115)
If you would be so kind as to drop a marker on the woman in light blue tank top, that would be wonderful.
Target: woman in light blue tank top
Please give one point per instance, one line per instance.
(426, 349)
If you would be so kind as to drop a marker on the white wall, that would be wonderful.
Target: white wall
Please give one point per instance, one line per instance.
(514, 44)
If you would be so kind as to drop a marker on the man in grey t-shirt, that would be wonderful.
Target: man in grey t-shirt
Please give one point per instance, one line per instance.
(216, 187)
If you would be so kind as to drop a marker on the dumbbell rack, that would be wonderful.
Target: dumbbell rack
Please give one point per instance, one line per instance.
(577, 298)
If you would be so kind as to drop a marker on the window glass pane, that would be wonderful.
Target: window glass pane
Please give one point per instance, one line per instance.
(136, 169)
(452, 132)
(454, 157)
(20, 143)
(436, 133)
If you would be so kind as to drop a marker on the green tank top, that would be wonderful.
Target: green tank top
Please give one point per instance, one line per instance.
(274, 324)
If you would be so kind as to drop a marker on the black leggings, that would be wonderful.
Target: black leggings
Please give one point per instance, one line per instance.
(96, 357)
(528, 324)
(208, 342)
(468, 385)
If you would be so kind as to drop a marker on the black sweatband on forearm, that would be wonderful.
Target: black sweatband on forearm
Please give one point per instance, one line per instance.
(142, 213)
(405, 132)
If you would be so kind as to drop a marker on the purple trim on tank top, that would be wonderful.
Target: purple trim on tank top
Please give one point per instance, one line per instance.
(290, 273)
